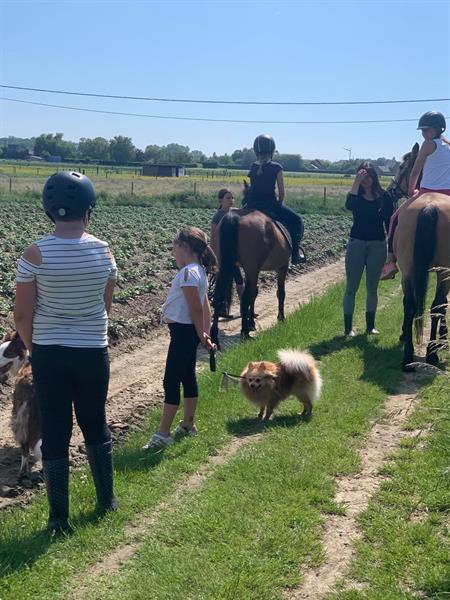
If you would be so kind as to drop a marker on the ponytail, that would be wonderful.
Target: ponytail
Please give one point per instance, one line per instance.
(263, 159)
(208, 259)
(197, 241)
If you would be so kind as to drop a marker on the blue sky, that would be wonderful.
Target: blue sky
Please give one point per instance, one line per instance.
(246, 50)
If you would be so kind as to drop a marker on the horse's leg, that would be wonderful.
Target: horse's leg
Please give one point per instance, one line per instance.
(409, 311)
(438, 312)
(252, 317)
(250, 292)
(281, 291)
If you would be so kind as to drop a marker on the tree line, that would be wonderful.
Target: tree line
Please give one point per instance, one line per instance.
(121, 150)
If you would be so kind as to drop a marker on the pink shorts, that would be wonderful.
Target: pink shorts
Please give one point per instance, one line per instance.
(427, 191)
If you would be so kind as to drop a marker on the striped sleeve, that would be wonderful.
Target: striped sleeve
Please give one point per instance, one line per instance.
(113, 267)
(26, 271)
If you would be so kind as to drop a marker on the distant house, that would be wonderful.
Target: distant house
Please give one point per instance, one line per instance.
(385, 170)
(163, 171)
(16, 151)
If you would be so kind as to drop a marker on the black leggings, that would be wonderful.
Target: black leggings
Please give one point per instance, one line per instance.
(283, 213)
(180, 363)
(63, 376)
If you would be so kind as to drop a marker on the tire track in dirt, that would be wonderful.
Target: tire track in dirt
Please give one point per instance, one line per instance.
(353, 492)
(136, 377)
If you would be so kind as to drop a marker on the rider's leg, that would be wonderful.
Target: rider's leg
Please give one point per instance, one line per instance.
(390, 267)
(294, 223)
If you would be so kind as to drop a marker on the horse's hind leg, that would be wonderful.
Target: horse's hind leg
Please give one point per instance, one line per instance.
(252, 317)
(409, 311)
(438, 312)
(248, 297)
(281, 291)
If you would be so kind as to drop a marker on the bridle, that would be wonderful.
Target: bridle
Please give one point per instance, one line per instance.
(396, 188)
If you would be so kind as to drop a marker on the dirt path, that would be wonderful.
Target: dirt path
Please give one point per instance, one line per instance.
(136, 378)
(354, 492)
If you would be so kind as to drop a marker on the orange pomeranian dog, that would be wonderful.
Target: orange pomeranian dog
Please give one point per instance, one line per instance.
(266, 384)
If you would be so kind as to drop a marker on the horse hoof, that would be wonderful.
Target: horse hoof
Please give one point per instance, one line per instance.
(432, 359)
(281, 318)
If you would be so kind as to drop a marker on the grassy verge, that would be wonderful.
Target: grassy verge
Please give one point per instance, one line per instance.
(304, 202)
(245, 534)
(405, 551)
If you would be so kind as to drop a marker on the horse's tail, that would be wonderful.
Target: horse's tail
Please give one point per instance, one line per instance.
(424, 249)
(229, 237)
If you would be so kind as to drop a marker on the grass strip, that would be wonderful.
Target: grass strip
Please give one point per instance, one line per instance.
(405, 551)
(281, 486)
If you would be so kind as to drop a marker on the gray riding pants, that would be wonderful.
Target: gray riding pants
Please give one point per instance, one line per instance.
(369, 255)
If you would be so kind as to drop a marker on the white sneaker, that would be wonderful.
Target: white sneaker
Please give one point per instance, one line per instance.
(158, 440)
(181, 430)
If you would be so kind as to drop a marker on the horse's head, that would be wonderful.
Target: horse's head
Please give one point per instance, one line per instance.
(398, 188)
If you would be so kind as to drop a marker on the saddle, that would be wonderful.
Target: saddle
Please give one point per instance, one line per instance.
(284, 230)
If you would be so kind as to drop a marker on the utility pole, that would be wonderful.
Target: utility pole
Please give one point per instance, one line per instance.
(349, 150)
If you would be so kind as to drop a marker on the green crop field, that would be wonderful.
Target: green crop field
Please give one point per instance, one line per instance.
(140, 233)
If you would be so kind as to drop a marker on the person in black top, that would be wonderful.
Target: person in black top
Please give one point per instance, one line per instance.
(372, 209)
(265, 175)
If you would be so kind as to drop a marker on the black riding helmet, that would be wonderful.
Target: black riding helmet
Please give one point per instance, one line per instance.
(433, 119)
(68, 195)
(264, 144)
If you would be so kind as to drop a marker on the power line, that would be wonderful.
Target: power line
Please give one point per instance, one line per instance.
(192, 101)
(208, 120)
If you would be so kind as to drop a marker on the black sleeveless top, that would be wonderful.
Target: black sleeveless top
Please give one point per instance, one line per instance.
(263, 185)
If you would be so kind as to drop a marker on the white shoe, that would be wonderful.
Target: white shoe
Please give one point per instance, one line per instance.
(182, 431)
(158, 440)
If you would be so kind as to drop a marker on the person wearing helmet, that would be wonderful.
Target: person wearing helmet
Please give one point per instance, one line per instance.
(265, 175)
(64, 291)
(433, 161)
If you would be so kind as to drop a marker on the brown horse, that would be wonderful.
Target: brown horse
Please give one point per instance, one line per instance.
(421, 244)
(252, 239)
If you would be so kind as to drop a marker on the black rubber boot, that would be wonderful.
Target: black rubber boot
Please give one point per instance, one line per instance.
(56, 477)
(348, 331)
(297, 257)
(100, 461)
(370, 324)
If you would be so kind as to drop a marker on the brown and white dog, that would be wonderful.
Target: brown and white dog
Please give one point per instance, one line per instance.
(266, 383)
(25, 422)
(12, 355)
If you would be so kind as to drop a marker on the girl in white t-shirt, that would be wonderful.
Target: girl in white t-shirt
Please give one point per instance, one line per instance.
(188, 315)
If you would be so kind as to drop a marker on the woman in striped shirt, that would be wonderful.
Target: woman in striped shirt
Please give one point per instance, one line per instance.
(65, 284)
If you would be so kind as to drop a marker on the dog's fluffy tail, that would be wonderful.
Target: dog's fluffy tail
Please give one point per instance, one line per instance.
(302, 364)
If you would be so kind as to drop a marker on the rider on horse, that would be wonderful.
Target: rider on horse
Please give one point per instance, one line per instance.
(264, 174)
(434, 160)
